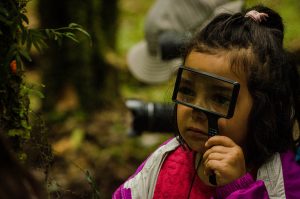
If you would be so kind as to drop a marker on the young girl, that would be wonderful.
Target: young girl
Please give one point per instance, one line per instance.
(253, 156)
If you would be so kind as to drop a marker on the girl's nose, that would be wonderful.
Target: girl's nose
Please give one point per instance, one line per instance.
(198, 115)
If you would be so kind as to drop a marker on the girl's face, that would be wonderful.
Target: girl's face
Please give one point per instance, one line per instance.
(193, 125)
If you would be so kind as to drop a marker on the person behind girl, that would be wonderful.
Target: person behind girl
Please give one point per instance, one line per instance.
(254, 154)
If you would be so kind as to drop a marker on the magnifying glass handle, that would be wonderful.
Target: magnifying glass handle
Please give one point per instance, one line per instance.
(212, 179)
(212, 131)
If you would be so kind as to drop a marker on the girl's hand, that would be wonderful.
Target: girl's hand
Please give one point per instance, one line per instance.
(224, 158)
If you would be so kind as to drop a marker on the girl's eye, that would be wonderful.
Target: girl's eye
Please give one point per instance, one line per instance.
(186, 94)
(184, 90)
(221, 100)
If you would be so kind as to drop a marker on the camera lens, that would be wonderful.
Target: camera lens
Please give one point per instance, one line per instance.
(150, 116)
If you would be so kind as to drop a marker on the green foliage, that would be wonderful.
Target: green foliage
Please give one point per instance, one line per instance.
(16, 42)
(92, 182)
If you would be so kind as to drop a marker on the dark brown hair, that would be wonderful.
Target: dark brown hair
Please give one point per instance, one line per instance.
(272, 78)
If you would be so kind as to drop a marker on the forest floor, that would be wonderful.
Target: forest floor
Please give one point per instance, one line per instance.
(92, 154)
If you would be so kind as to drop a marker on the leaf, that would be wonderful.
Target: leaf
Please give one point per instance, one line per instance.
(25, 125)
(18, 132)
(73, 25)
(56, 36)
(37, 46)
(36, 93)
(48, 33)
(42, 44)
(88, 177)
(71, 36)
(29, 41)
(93, 184)
(79, 28)
(24, 18)
(84, 32)
(19, 61)
(24, 35)
(25, 54)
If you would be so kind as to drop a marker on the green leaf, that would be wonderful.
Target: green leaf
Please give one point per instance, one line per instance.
(84, 32)
(39, 94)
(42, 44)
(36, 93)
(15, 132)
(73, 25)
(93, 184)
(19, 132)
(48, 33)
(19, 61)
(24, 34)
(25, 54)
(37, 46)
(71, 36)
(25, 125)
(24, 18)
(57, 35)
(29, 40)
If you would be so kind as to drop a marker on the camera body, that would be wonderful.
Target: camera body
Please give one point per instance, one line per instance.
(150, 116)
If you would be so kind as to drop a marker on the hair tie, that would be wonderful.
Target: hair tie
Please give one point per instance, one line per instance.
(256, 16)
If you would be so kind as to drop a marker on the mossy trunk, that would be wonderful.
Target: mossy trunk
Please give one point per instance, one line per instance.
(82, 65)
(14, 103)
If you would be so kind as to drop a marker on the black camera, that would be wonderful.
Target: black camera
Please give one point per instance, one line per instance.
(171, 44)
(150, 116)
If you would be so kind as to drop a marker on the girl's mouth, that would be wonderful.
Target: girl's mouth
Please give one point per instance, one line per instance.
(197, 131)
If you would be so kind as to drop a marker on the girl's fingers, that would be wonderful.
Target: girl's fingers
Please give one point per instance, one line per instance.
(216, 149)
(219, 140)
(214, 156)
(211, 166)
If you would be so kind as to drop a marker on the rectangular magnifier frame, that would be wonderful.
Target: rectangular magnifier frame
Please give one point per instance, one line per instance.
(235, 91)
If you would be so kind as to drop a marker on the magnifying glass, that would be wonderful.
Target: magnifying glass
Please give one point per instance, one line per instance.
(211, 94)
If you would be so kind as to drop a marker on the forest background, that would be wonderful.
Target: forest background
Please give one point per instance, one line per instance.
(81, 88)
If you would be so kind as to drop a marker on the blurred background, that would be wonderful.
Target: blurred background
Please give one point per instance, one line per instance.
(86, 85)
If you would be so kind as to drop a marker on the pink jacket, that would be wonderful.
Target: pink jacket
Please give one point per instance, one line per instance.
(277, 178)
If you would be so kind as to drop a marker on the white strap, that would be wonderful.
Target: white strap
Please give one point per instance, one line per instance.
(143, 184)
(271, 174)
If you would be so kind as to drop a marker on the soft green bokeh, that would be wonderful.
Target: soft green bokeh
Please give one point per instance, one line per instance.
(131, 27)
(289, 11)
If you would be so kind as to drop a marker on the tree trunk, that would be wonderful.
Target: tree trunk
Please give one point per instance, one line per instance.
(81, 65)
